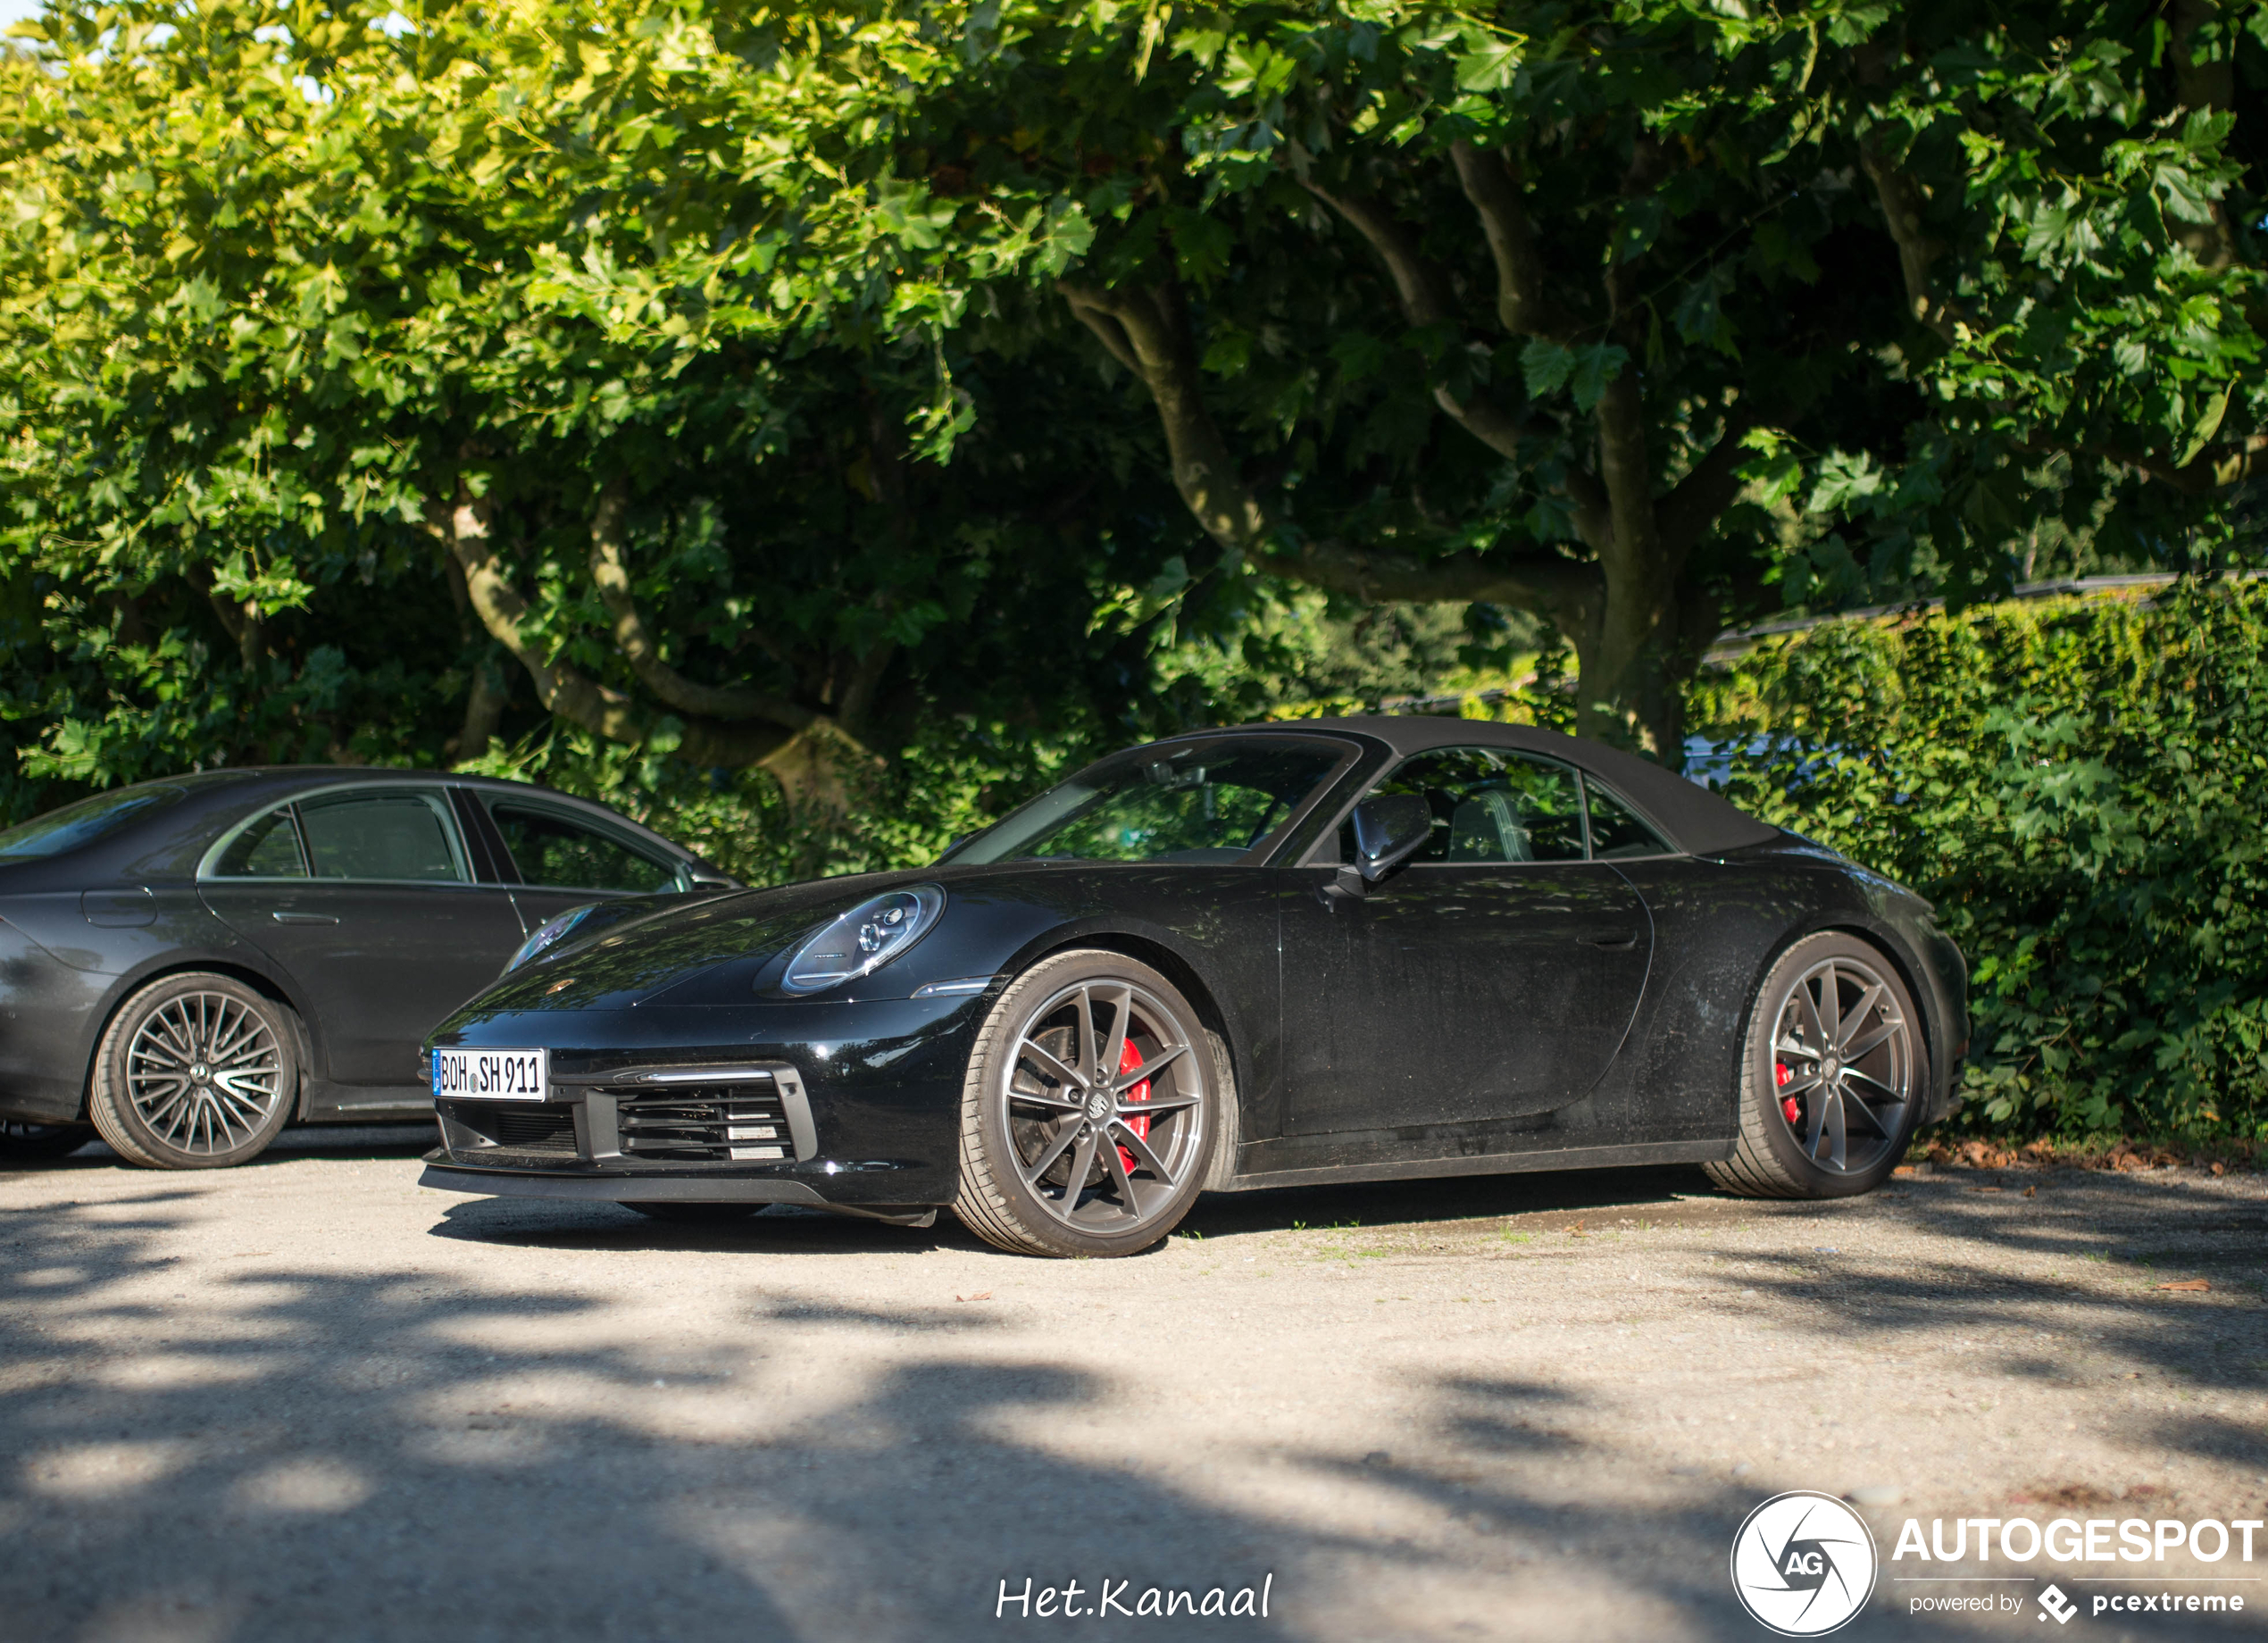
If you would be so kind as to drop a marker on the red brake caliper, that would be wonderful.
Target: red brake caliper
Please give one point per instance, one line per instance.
(1790, 1108)
(1130, 1058)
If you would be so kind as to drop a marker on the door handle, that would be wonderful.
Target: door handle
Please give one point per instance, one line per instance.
(1619, 940)
(303, 918)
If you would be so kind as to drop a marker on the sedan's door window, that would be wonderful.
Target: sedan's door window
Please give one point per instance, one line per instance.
(393, 836)
(1490, 805)
(555, 850)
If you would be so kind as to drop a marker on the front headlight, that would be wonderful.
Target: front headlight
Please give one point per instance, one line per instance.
(550, 936)
(864, 939)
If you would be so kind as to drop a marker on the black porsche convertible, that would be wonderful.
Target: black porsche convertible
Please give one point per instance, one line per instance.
(1316, 951)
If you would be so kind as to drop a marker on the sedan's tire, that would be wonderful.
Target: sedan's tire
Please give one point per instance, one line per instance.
(695, 1215)
(196, 1071)
(29, 1143)
(1834, 1074)
(1091, 1109)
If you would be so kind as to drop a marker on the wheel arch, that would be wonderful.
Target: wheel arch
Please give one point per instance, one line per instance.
(1885, 938)
(268, 986)
(1188, 976)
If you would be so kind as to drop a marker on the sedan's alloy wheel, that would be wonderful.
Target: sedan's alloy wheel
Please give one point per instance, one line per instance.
(196, 1071)
(1088, 1122)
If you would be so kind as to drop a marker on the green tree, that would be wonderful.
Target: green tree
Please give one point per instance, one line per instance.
(1595, 310)
(466, 350)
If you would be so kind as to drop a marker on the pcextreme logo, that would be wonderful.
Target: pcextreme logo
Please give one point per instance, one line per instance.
(1803, 1564)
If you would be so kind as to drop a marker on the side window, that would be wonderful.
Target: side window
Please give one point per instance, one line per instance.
(267, 849)
(554, 849)
(1616, 832)
(386, 835)
(1491, 806)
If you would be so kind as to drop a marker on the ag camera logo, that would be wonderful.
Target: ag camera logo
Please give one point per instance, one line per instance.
(1803, 1564)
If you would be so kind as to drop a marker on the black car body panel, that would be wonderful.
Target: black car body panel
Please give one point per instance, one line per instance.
(1458, 1018)
(368, 967)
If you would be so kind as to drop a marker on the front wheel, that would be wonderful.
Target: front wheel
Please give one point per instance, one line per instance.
(196, 1071)
(1089, 1118)
(1833, 1076)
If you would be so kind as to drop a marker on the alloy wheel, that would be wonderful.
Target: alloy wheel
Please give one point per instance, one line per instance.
(1106, 1106)
(1843, 1066)
(205, 1072)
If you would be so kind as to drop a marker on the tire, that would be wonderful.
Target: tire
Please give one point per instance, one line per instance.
(1047, 1139)
(29, 1143)
(1853, 1116)
(695, 1215)
(196, 1071)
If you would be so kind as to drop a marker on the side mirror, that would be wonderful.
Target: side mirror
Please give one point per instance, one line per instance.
(1390, 829)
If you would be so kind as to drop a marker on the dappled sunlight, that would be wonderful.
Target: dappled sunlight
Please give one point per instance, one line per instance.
(1542, 1419)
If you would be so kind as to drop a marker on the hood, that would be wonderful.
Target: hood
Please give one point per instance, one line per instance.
(640, 951)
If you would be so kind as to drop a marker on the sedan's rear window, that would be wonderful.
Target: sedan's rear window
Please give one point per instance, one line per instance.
(82, 824)
(550, 849)
(1208, 801)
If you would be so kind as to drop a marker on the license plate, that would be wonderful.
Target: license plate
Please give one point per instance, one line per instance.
(491, 1075)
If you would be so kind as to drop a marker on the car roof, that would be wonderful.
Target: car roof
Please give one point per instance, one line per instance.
(1697, 820)
(213, 799)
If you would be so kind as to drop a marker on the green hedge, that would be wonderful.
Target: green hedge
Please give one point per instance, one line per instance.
(2081, 786)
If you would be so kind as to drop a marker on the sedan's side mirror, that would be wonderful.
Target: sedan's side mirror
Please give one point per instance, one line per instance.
(1390, 829)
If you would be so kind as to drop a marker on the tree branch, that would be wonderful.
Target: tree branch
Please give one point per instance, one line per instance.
(610, 570)
(1523, 307)
(1902, 202)
(1634, 548)
(1157, 350)
(2203, 85)
(484, 707)
(1425, 298)
(1693, 504)
(1232, 516)
(462, 529)
(1538, 581)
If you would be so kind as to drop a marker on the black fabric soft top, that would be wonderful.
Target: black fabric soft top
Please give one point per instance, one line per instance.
(1695, 819)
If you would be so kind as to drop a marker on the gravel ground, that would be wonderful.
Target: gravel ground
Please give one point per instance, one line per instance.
(310, 1399)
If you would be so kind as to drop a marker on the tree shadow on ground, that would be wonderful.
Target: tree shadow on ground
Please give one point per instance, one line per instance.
(296, 1452)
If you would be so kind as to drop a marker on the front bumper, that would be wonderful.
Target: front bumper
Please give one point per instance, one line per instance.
(864, 1114)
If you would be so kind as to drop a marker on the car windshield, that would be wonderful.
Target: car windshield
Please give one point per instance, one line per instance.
(81, 823)
(1207, 801)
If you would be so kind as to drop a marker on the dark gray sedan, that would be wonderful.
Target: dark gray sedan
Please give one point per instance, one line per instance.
(190, 965)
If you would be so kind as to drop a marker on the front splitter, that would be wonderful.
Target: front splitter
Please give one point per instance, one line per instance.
(659, 1190)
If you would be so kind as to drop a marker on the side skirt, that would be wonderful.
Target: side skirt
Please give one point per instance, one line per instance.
(1495, 1163)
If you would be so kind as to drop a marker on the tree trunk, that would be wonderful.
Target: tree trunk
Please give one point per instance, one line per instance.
(1631, 612)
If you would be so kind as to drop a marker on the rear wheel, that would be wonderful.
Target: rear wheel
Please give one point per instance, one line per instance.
(695, 1215)
(29, 1143)
(1833, 1078)
(196, 1071)
(1088, 1119)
